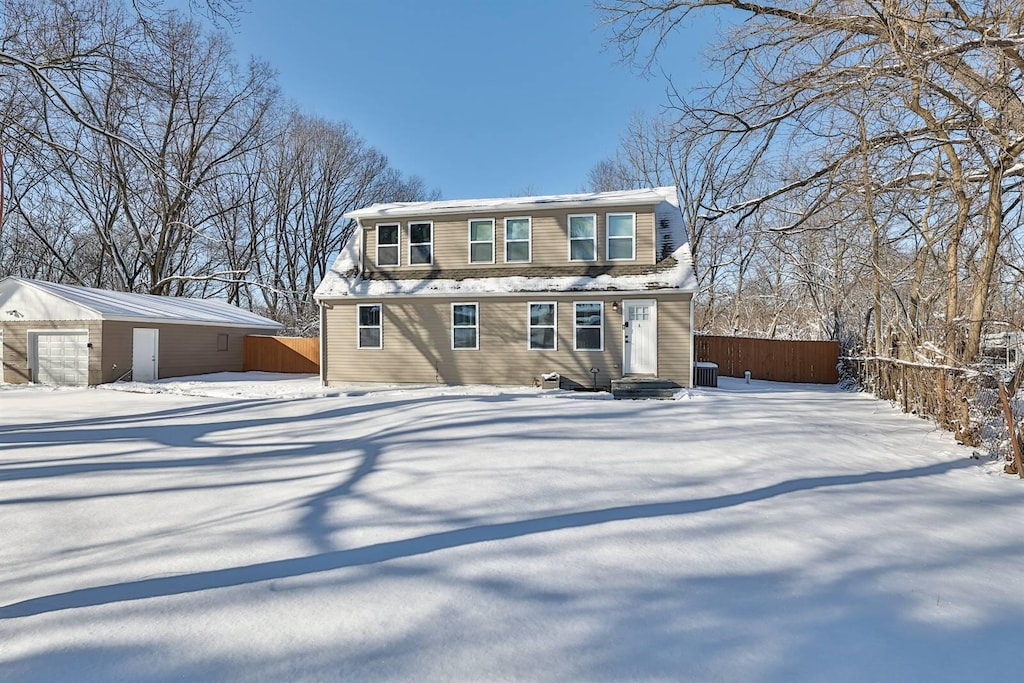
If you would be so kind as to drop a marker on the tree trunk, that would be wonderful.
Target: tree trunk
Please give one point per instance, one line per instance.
(993, 236)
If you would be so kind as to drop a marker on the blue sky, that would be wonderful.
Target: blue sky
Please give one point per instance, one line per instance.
(479, 98)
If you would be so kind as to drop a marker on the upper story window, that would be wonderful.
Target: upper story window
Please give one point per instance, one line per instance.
(387, 244)
(542, 326)
(368, 326)
(481, 240)
(517, 240)
(421, 243)
(583, 237)
(588, 326)
(621, 236)
(465, 326)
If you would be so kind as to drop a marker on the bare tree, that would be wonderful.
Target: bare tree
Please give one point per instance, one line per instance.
(316, 172)
(901, 104)
(145, 158)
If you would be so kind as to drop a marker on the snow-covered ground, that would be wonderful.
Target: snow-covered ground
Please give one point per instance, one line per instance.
(231, 385)
(755, 532)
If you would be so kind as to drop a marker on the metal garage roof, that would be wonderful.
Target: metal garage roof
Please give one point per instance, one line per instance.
(20, 300)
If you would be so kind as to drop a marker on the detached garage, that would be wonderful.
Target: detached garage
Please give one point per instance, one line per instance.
(63, 334)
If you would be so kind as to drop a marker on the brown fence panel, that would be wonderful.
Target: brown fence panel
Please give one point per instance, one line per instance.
(281, 354)
(772, 359)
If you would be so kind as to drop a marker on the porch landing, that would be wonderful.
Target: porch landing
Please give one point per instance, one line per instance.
(644, 387)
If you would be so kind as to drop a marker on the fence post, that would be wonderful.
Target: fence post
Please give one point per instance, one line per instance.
(943, 420)
(1014, 443)
(903, 388)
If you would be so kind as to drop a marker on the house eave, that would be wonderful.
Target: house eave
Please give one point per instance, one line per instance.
(331, 298)
(190, 321)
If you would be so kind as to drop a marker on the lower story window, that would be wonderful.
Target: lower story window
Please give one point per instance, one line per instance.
(369, 326)
(542, 326)
(588, 324)
(465, 326)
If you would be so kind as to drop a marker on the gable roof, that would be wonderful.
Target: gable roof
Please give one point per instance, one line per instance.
(503, 204)
(673, 272)
(127, 306)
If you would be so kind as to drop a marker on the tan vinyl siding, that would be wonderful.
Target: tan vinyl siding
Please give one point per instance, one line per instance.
(117, 349)
(549, 241)
(16, 368)
(417, 342)
(183, 349)
(674, 339)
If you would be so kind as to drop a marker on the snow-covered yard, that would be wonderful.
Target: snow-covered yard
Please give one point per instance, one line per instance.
(752, 533)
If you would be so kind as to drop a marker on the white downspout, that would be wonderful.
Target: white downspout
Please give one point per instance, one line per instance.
(323, 344)
(692, 351)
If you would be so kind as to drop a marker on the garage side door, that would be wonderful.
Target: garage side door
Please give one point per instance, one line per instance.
(62, 358)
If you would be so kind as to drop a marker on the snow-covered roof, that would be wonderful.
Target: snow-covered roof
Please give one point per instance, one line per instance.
(449, 206)
(674, 272)
(21, 293)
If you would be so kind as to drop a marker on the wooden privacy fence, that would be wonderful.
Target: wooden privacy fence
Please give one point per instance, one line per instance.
(772, 359)
(281, 354)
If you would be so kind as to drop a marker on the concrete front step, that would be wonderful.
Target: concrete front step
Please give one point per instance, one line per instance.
(644, 387)
(644, 393)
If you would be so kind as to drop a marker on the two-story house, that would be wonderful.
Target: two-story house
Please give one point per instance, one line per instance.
(594, 287)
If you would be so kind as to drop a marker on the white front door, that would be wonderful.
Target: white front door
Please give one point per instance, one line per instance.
(144, 354)
(640, 343)
(61, 358)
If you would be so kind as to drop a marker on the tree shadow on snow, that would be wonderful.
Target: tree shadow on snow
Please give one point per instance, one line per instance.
(429, 543)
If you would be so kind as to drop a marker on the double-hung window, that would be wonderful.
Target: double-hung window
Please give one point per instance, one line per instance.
(465, 326)
(368, 326)
(421, 243)
(583, 237)
(588, 324)
(517, 240)
(387, 244)
(621, 236)
(481, 240)
(542, 326)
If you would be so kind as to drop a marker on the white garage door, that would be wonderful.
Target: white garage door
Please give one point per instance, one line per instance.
(62, 358)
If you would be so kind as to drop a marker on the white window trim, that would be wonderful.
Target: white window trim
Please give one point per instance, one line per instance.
(608, 237)
(360, 327)
(530, 326)
(469, 235)
(475, 327)
(568, 233)
(431, 242)
(528, 240)
(398, 230)
(576, 327)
